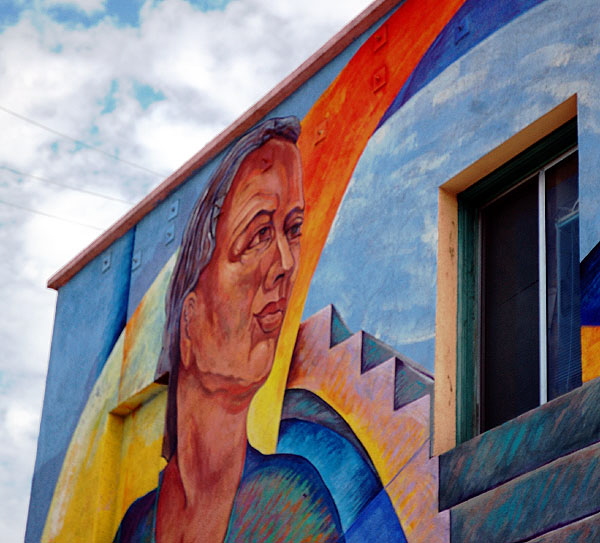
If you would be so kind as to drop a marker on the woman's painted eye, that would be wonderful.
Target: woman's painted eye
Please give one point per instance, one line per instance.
(262, 236)
(295, 230)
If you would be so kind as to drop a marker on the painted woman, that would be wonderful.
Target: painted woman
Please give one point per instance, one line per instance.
(224, 310)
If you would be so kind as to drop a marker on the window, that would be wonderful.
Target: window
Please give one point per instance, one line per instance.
(518, 300)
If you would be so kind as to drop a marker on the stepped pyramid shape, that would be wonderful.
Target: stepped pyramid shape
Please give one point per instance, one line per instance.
(377, 403)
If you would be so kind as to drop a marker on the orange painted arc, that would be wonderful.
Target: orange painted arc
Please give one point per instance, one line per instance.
(335, 132)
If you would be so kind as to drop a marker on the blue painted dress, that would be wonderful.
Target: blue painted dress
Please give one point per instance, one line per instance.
(281, 498)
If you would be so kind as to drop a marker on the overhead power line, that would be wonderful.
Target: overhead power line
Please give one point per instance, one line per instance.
(50, 215)
(84, 191)
(79, 142)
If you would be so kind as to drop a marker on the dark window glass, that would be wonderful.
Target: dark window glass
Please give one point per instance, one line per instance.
(510, 305)
(562, 277)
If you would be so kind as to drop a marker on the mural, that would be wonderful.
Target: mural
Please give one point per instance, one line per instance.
(225, 306)
(269, 377)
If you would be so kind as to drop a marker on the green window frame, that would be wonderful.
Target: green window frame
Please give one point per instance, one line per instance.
(470, 202)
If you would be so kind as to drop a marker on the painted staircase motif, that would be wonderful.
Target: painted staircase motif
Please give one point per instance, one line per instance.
(380, 399)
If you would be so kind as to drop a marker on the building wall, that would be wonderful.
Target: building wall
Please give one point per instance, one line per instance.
(424, 103)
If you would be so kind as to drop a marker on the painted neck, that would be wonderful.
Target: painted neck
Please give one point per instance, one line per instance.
(211, 438)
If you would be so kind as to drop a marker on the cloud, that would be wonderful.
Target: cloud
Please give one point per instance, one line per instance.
(19, 420)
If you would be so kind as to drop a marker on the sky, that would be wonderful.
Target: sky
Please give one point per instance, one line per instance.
(100, 100)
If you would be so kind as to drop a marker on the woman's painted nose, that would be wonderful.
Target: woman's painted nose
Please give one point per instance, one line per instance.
(283, 261)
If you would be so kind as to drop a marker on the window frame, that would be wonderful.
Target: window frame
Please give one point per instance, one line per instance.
(503, 179)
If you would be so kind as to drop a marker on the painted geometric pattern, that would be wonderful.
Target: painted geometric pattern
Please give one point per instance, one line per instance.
(360, 412)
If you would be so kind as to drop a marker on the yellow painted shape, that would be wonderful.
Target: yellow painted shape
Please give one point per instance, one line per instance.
(105, 470)
(115, 453)
(141, 459)
(143, 336)
(83, 504)
(265, 409)
(111, 460)
(590, 352)
(395, 436)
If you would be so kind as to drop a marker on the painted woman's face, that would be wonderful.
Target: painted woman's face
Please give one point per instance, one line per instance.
(231, 321)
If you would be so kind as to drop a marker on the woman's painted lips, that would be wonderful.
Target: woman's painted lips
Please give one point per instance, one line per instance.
(271, 316)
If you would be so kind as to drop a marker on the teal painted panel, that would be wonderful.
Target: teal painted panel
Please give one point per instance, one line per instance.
(567, 424)
(584, 531)
(560, 493)
(409, 384)
(339, 330)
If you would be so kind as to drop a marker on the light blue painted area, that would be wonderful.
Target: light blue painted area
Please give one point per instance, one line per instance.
(54, 147)
(348, 477)
(109, 102)
(146, 95)
(379, 264)
(378, 522)
(378, 267)
(158, 234)
(90, 315)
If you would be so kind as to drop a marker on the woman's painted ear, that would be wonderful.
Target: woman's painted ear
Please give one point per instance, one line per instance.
(185, 342)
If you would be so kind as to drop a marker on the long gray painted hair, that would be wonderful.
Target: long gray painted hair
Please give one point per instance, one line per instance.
(197, 248)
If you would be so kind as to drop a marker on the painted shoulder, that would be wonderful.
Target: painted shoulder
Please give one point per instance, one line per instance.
(138, 523)
(283, 498)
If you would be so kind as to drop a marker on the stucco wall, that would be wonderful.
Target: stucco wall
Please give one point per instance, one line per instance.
(420, 97)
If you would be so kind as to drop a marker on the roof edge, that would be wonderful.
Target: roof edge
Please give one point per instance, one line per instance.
(272, 99)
